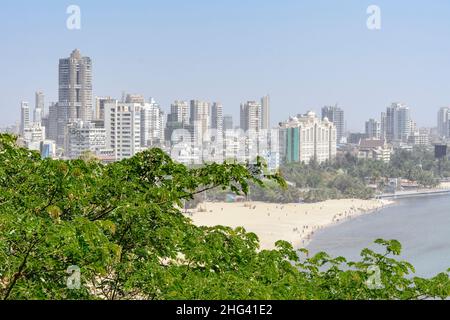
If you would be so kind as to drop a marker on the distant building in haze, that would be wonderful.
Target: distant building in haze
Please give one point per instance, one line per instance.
(251, 116)
(199, 120)
(134, 98)
(227, 122)
(443, 122)
(373, 129)
(265, 112)
(39, 107)
(217, 117)
(24, 116)
(179, 111)
(100, 107)
(152, 124)
(335, 114)
(399, 125)
(375, 149)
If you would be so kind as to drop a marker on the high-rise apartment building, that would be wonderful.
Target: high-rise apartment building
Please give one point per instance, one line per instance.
(373, 129)
(152, 124)
(217, 117)
(24, 116)
(265, 112)
(75, 86)
(403, 125)
(251, 123)
(199, 119)
(443, 122)
(179, 111)
(123, 128)
(335, 114)
(178, 118)
(227, 122)
(251, 116)
(39, 107)
(383, 125)
(390, 111)
(52, 128)
(100, 107)
(75, 92)
(82, 137)
(398, 123)
(307, 138)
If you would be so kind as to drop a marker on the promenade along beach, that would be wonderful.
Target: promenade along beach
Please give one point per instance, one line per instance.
(295, 223)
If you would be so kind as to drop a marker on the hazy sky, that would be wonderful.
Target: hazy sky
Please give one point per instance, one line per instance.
(305, 54)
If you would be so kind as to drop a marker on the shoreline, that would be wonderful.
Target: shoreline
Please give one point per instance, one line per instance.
(388, 203)
(423, 192)
(294, 223)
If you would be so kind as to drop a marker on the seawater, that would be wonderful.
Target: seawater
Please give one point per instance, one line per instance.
(421, 224)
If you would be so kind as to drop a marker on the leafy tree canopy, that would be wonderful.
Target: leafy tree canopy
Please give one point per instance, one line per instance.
(121, 224)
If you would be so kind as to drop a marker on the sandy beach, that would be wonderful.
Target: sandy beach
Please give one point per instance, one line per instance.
(295, 223)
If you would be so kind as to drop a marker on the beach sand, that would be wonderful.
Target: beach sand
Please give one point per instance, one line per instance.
(295, 223)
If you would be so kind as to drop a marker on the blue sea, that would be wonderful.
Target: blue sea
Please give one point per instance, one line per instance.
(421, 224)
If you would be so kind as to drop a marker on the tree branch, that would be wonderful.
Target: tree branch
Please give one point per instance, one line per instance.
(21, 267)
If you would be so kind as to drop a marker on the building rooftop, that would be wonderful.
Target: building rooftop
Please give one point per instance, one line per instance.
(371, 143)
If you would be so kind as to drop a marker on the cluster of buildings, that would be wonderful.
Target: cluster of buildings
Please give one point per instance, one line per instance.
(396, 130)
(113, 129)
(196, 131)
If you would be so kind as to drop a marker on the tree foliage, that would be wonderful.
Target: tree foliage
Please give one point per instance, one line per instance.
(122, 225)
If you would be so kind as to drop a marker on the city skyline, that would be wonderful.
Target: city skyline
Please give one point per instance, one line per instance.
(75, 104)
(363, 71)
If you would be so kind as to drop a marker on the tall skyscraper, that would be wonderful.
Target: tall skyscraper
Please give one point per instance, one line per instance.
(199, 119)
(443, 122)
(265, 112)
(251, 116)
(24, 116)
(403, 125)
(39, 107)
(178, 118)
(398, 123)
(217, 117)
(390, 114)
(75, 86)
(251, 124)
(152, 126)
(373, 129)
(335, 114)
(75, 93)
(52, 129)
